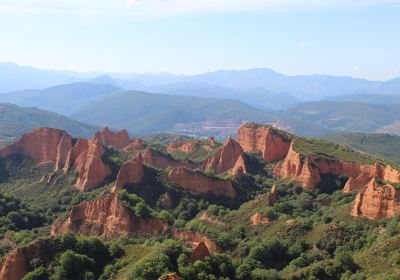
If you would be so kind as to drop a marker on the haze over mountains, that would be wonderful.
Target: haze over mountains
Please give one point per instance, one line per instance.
(210, 104)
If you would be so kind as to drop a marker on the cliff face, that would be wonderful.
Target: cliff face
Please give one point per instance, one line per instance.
(161, 161)
(86, 158)
(54, 146)
(134, 145)
(229, 159)
(16, 263)
(200, 252)
(377, 201)
(197, 183)
(106, 217)
(131, 172)
(118, 139)
(43, 145)
(263, 139)
(186, 146)
(306, 170)
(194, 239)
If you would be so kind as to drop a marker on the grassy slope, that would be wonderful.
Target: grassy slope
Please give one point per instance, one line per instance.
(381, 145)
(14, 121)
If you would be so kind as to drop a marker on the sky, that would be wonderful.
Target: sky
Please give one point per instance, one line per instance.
(359, 38)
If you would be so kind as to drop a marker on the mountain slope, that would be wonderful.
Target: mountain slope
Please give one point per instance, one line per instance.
(367, 98)
(143, 113)
(381, 145)
(63, 99)
(348, 116)
(14, 121)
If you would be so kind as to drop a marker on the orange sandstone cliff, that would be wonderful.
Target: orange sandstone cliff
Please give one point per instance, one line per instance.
(118, 139)
(377, 201)
(229, 159)
(43, 145)
(107, 217)
(86, 158)
(131, 172)
(198, 183)
(16, 263)
(161, 161)
(264, 139)
(54, 146)
(307, 170)
(135, 145)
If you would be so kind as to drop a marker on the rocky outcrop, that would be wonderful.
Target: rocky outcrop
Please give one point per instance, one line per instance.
(107, 217)
(185, 146)
(266, 140)
(135, 145)
(43, 146)
(307, 170)
(131, 172)
(16, 263)
(258, 219)
(170, 276)
(194, 239)
(86, 158)
(377, 201)
(229, 159)
(161, 161)
(300, 169)
(200, 252)
(198, 183)
(54, 146)
(118, 139)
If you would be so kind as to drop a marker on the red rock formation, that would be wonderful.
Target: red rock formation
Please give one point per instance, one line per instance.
(86, 158)
(170, 276)
(377, 201)
(16, 263)
(135, 145)
(49, 145)
(131, 172)
(118, 139)
(106, 217)
(229, 159)
(185, 146)
(264, 139)
(200, 252)
(306, 170)
(297, 168)
(197, 183)
(43, 145)
(161, 161)
(258, 219)
(194, 239)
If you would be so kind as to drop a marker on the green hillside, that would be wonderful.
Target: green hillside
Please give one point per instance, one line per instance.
(382, 145)
(143, 113)
(347, 116)
(63, 99)
(14, 121)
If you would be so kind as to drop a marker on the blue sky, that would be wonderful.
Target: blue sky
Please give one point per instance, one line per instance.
(339, 37)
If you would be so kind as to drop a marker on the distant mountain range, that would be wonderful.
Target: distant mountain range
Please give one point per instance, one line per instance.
(63, 99)
(144, 113)
(15, 120)
(262, 88)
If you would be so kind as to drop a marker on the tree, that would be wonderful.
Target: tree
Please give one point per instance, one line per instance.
(74, 266)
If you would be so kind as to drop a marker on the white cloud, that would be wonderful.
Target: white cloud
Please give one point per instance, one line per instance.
(356, 68)
(301, 44)
(151, 8)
